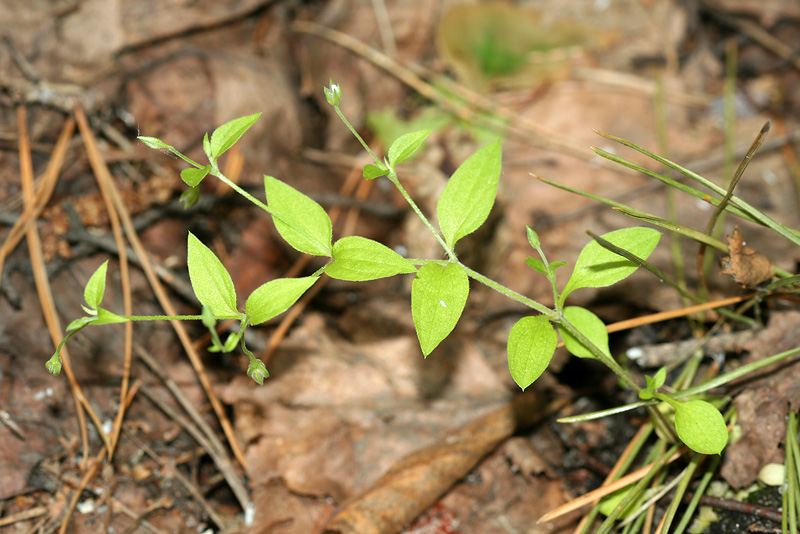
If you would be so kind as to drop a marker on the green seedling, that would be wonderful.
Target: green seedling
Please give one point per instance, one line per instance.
(440, 287)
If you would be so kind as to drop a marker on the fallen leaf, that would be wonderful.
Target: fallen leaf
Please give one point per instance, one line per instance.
(746, 266)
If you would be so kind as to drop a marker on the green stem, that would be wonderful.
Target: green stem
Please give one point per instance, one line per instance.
(176, 317)
(355, 133)
(610, 362)
(216, 172)
(393, 178)
(510, 293)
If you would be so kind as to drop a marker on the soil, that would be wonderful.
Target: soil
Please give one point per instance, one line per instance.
(354, 431)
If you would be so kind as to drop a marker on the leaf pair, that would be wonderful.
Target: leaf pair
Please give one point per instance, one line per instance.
(532, 340)
(213, 286)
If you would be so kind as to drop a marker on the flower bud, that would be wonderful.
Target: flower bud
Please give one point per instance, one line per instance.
(257, 371)
(54, 365)
(333, 94)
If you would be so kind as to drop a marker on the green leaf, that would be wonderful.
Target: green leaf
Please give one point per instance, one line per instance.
(153, 142)
(468, 197)
(701, 427)
(556, 264)
(591, 326)
(438, 296)
(374, 171)
(207, 148)
(358, 259)
(537, 265)
(533, 238)
(193, 176)
(210, 281)
(275, 297)
(646, 394)
(301, 222)
(660, 378)
(226, 135)
(81, 322)
(96, 286)
(599, 267)
(404, 146)
(107, 317)
(531, 344)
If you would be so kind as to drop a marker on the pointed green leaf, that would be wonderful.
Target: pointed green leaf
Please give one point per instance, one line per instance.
(210, 281)
(537, 265)
(358, 259)
(81, 322)
(405, 145)
(531, 344)
(153, 142)
(660, 378)
(438, 296)
(301, 222)
(701, 427)
(468, 197)
(591, 326)
(96, 287)
(226, 135)
(207, 149)
(275, 297)
(193, 176)
(599, 267)
(556, 264)
(374, 171)
(107, 317)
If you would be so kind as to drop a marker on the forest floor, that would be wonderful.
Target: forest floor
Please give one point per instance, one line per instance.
(355, 432)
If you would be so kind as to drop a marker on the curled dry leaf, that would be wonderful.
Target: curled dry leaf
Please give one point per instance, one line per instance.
(746, 266)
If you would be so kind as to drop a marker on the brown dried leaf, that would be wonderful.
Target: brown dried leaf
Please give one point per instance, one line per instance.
(417, 481)
(746, 266)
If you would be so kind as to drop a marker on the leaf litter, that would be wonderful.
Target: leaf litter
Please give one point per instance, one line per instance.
(341, 414)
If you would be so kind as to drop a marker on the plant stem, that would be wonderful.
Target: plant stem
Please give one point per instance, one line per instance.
(216, 172)
(393, 178)
(510, 293)
(610, 362)
(355, 133)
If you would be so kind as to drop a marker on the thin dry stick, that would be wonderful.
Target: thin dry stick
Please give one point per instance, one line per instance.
(90, 474)
(24, 515)
(174, 471)
(42, 197)
(180, 329)
(602, 491)
(104, 182)
(672, 314)
(200, 430)
(43, 288)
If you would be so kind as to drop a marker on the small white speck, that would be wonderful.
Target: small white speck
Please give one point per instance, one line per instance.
(634, 353)
(443, 304)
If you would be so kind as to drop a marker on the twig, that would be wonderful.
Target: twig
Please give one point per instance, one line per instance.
(199, 430)
(104, 182)
(192, 488)
(602, 491)
(43, 287)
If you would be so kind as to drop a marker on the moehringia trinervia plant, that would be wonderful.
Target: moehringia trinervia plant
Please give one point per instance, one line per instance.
(440, 287)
